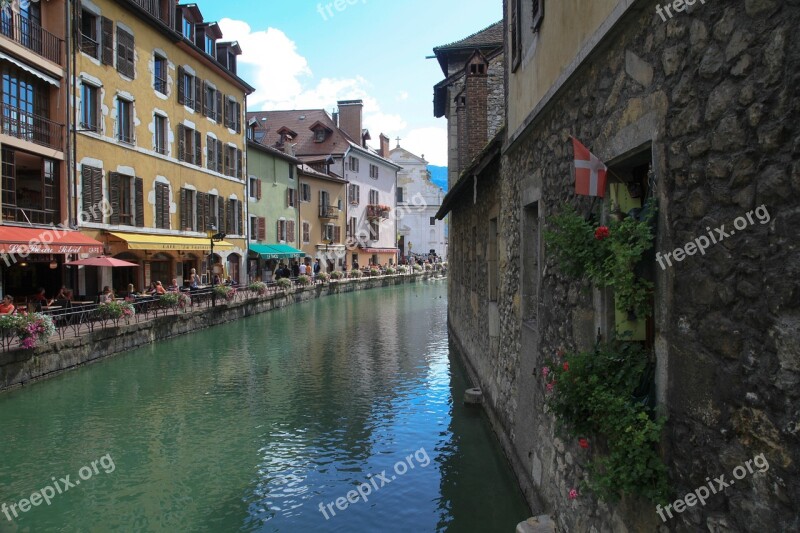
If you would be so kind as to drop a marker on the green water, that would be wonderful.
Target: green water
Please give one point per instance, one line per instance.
(252, 425)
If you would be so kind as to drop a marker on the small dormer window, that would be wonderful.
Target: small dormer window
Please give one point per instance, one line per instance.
(251, 132)
(210, 46)
(188, 28)
(319, 135)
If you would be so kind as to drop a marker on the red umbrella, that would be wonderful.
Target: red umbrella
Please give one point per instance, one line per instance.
(102, 261)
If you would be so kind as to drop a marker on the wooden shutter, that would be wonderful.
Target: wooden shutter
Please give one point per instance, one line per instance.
(290, 231)
(278, 232)
(139, 202)
(240, 218)
(225, 109)
(91, 192)
(337, 234)
(238, 117)
(181, 142)
(262, 229)
(198, 149)
(181, 88)
(210, 153)
(207, 106)
(258, 188)
(184, 208)
(218, 109)
(221, 214)
(107, 41)
(229, 219)
(239, 163)
(219, 156)
(114, 186)
(201, 211)
(198, 95)
(125, 53)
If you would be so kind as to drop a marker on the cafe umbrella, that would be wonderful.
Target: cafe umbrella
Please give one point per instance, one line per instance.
(102, 261)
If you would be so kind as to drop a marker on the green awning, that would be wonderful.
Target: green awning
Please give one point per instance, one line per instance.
(276, 251)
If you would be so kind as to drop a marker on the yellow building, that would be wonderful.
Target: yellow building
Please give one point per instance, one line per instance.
(322, 217)
(159, 114)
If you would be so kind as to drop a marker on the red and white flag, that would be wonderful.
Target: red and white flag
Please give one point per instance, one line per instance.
(591, 173)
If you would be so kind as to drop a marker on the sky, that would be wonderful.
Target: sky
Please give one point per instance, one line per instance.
(299, 54)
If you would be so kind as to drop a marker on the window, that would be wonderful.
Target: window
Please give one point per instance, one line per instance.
(352, 227)
(89, 108)
(319, 135)
(211, 48)
(210, 101)
(373, 171)
(353, 164)
(125, 53)
(324, 199)
(160, 134)
(306, 233)
(374, 230)
(519, 25)
(282, 227)
(255, 188)
(214, 154)
(162, 206)
(433, 221)
(107, 41)
(354, 194)
(187, 29)
(188, 210)
(327, 232)
(305, 192)
(190, 93)
(190, 147)
(374, 198)
(233, 162)
(91, 190)
(88, 44)
(254, 228)
(400, 195)
(233, 223)
(291, 197)
(160, 74)
(538, 14)
(233, 115)
(125, 121)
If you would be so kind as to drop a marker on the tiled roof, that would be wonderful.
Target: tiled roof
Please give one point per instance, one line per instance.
(300, 121)
(491, 36)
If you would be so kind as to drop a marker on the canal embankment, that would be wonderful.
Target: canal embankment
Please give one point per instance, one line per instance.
(22, 367)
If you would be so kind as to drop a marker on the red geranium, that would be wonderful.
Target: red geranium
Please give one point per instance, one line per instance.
(583, 443)
(602, 233)
(566, 367)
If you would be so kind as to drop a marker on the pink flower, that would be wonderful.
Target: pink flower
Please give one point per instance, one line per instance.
(545, 371)
(573, 494)
(583, 443)
(550, 387)
(28, 343)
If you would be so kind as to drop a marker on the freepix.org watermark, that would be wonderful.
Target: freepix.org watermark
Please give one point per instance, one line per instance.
(326, 10)
(704, 492)
(376, 482)
(678, 5)
(58, 486)
(702, 243)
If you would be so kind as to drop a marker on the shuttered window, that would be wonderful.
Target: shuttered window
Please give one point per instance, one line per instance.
(337, 234)
(138, 200)
(306, 233)
(190, 147)
(92, 193)
(262, 229)
(122, 198)
(354, 195)
(162, 206)
(202, 212)
(290, 231)
(125, 53)
(188, 212)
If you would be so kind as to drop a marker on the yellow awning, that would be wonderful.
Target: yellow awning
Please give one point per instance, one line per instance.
(143, 241)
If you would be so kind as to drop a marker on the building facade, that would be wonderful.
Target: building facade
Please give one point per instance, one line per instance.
(273, 213)
(418, 202)
(686, 110)
(322, 218)
(159, 110)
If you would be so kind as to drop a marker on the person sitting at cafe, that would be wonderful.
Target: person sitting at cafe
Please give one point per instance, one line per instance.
(64, 294)
(194, 280)
(157, 288)
(173, 287)
(40, 300)
(107, 295)
(132, 290)
(7, 305)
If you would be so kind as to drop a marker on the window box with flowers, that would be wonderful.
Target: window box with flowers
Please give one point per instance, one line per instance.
(30, 329)
(285, 284)
(258, 287)
(115, 310)
(223, 291)
(323, 277)
(336, 275)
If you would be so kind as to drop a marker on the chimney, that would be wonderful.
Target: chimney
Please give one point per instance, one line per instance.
(335, 117)
(351, 118)
(384, 146)
(476, 92)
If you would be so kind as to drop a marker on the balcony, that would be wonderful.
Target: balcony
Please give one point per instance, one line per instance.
(159, 9)
(29, 216)
(328, 212)
(378, 212)
(32, 36)
(31, 127)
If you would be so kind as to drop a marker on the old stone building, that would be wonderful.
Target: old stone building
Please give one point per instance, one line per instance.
(696, 108)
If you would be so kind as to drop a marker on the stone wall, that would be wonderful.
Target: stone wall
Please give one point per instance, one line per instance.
(712, 97)
(21, 367)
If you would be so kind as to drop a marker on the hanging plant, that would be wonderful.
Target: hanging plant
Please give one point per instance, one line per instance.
(607, 255)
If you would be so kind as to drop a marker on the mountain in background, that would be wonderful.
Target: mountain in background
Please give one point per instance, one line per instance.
(439, 176)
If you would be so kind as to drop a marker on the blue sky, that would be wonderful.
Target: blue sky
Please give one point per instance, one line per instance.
(298, 56)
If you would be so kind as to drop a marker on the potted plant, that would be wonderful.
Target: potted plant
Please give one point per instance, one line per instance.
(390, 271)
(323, 277)
(336, 275)
(303, 281)
(258, 287)
(374, 272)
(226, 292)
(184, 301)
(284, 284)
(417, 268)
(116, 310)
(34, 328)
(355, 274)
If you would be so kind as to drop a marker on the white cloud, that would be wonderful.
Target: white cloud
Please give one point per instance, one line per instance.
(430, 142)
(402, 96)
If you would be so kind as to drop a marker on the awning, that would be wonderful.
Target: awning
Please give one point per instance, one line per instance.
(276, 251)
(145, 241)
(53, 240)
(39, 74)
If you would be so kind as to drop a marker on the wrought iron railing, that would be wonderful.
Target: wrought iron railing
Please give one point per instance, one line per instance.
(25, 215)
(32, 36)
(328, 211)
(90, 46)
(31, 127)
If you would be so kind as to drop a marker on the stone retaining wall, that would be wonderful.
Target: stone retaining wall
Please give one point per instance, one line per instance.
(20, 367)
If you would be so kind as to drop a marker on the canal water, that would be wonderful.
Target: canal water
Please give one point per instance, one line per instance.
(349, 404)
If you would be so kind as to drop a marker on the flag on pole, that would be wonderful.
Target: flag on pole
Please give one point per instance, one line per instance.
(591, 173)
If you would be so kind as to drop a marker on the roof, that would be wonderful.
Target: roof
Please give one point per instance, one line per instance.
(440, 89)
(489, 153)
(400, 150)
(271, 151)
(270, 123)
(307, 170)
(490, 37)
